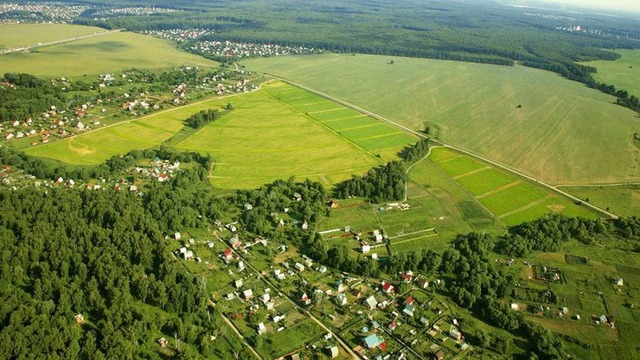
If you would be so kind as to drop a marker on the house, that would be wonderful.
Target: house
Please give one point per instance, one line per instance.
(323, 269)
(305, 299)
(388, 288)
(265, 298)
(333, 204)
(248, 206)
(228, 254)
(305, 225)
(240, 265)
(248, 294)
(372, 341)
(365, 248)
(618, 282)
(356, 293)
(333, 351)
(515, 306)
(261, 329)
(297, 196)
(188, 255)
(299, 267)
(235, 242)
(295, 357)
(80, 125)
(79, 318)
(342, 287)
(408, 310)
(341, 299)
(308, 262)
(407, 277)
(238, 283)
(439, 355)
(409, 300)
(378, 238)
(177, 236)
(423, 283)
(162, 342)
(392, 326)
(455, 334)
(424, 321)
(372, 302)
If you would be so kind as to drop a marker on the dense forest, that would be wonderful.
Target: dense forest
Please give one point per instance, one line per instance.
(23, 96)
(379, 184)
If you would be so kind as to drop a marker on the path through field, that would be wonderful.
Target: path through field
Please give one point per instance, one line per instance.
(57, 42)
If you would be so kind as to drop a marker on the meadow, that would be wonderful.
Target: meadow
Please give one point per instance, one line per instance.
(512, 199)
(622, 73)
(622, 200)
(17, 35)
(562, 132)
(106, 53)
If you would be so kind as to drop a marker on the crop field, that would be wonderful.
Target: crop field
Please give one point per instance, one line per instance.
(510, 198)
(623, 200)
(17, 35)
(100, 54)
(96, 146)
(563, 132)
(622, 73)
(367, 133)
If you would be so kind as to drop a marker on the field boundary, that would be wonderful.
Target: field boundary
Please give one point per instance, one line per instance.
(456, 148)
(58, 42)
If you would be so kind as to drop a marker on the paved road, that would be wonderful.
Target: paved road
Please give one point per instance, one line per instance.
(76, 38)
(459, 149)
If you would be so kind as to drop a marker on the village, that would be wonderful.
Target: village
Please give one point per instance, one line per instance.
(52, 12)
(268, 292)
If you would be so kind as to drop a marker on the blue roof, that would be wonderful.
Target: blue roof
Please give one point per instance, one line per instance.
(372, 341)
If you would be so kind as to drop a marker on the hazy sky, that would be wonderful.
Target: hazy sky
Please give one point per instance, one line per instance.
(624, 5)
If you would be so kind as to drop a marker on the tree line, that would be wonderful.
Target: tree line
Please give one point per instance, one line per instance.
(383, 183)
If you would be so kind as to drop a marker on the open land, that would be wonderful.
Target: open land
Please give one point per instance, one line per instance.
(107, 53)
(512, 199)
(622, 73)
(563, 132)
(14, 35)
(622, 200)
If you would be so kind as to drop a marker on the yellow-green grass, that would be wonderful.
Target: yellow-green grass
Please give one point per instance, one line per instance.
(622, 73)
(264, 139)
(563, 133)
(511, 199)
(106, 53)
(623, 200)
(367, 133)
(98, 145)
(18, 35)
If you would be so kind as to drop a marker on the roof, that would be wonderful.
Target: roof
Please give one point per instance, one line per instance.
(371, 301)
(372, 341)
(409, 300)
(387, 287)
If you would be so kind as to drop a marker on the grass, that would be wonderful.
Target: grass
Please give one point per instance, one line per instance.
(17, 35)
(510, 198)
(623, 200)
(622, 73)
(100, 54)
(563, 133)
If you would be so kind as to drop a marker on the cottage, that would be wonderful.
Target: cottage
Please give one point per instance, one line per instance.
(372, 302)
(365, 248)
(299, 267)
(177, 236)
(333, 351)
(162, 342)
(388, 288)
(297, 196)
(235, 242)
(240, 265)
(305, 225)
(378, 238)
(278, 318)
(439, 355)
(342, 287)
(424, 321)
(333, 204)
(80, 126)
(228, 254)
(79, 319)
(323, 269)
(407, 277)
(308, 262)
(341, 299)
(248, 206)
(423, 283)
(238, 283)
(261, 329)
(618, 282)
(393, 325)
(408, 310)
(372, 341)
(305, 299)
(409, 300)
(265, 298)
(455, 334)
(248, 294)
(188, 255)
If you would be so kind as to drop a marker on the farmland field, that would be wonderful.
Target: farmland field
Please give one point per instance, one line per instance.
(16, 35)
(563, 132)
(100, 54)
(507, 196)
(622, 73)
(621, 200)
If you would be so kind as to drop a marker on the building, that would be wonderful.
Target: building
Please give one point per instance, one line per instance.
(261, 329)
(455, 334)
(299, 267)
(365, 248)
(333, 351)
(618, 282)
(388, 288)
(341, 299)
(238, 283)
(372, 341)
(248, 294)
(372, 302)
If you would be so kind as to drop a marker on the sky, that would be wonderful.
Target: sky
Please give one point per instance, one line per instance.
(618, 5)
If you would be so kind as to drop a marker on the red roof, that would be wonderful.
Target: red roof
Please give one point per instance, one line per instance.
(383, 346)
(227, 252)
(387, 287)
(409, 300)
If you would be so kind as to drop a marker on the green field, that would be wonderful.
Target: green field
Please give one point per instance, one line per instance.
(563, 133)
(621, 200)
(16, 35)
(622, 73)
(510, 198)
(100, 54)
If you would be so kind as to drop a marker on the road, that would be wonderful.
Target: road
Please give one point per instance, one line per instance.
(241, 337)
(453, 147)
(57, 42)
